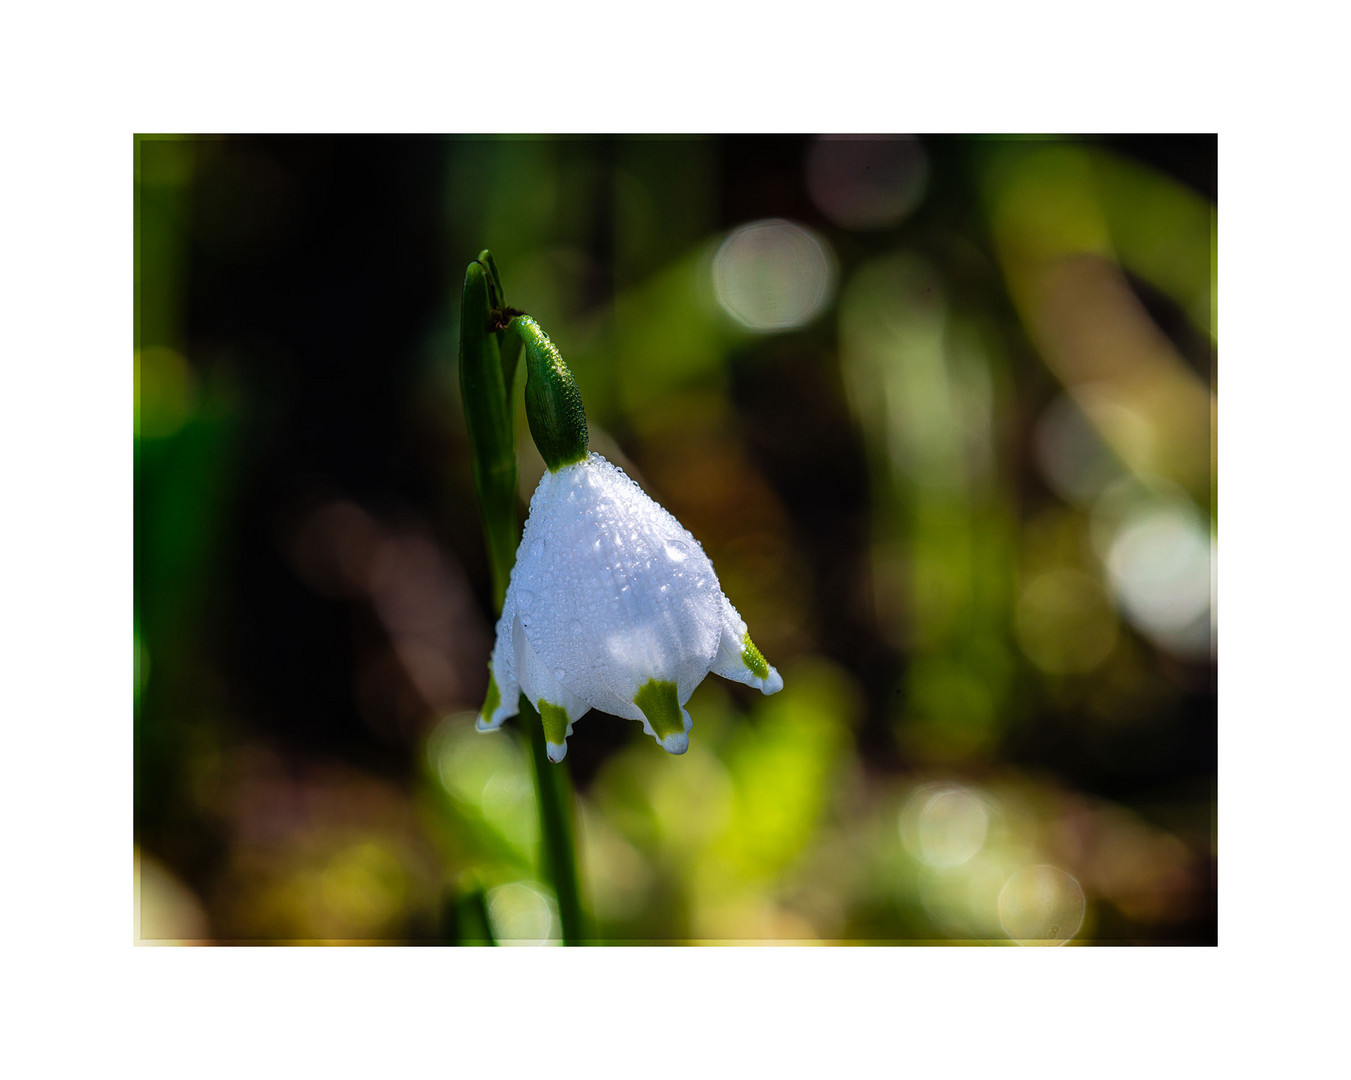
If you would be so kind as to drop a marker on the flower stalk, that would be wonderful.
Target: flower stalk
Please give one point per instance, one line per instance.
(491, 337)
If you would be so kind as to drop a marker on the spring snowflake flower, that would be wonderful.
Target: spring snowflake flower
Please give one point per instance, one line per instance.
(612, 605)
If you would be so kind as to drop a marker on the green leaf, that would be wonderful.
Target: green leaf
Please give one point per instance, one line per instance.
(488, 418)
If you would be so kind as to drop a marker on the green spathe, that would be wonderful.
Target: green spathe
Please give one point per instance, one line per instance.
(553, 403)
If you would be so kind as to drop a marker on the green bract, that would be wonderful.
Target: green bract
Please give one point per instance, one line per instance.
(553, 404)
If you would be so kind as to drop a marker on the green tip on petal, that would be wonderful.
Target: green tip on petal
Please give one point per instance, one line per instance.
(555, 720)
(754, 659)
(490, 704)
(658, 702)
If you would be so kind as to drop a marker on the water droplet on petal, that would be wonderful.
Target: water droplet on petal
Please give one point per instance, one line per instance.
(676, 551)
(537, 547)
(575, 627)
(525, 599)
(558, 674)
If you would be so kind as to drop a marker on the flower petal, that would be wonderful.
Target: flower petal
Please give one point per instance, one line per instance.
(558, 708)
(738, 659)
(504, 693)
(612, 592)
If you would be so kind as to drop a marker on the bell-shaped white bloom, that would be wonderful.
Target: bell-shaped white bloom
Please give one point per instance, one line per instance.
(612, 605)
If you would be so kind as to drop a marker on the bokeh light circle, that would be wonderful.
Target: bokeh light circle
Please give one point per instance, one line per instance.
(867, 181)
(952, 828)
(521, 914)
(1159, 563)
(1041, 905)
(773, 275)
(944, 825)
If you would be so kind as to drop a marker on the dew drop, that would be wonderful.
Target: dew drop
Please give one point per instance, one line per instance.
(537, 547)
(675, 551)
(575, 627)
(525, 599)
(558, 674)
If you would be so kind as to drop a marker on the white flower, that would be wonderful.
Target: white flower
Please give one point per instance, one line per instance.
(612, 605)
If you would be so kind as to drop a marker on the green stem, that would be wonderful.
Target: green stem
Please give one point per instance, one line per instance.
(465, 918)
(488, 359)
(558, 847)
